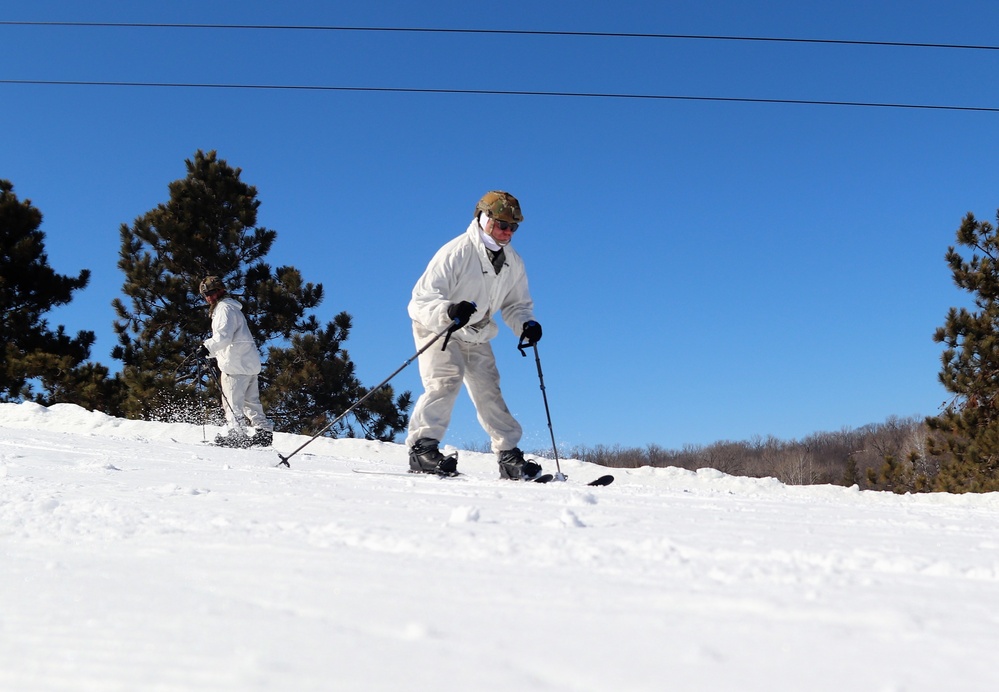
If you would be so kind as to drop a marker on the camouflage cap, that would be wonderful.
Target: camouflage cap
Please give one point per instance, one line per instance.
(210, 284)
(501, 206)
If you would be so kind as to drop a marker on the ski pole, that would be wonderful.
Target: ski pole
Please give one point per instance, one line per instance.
(204, 409)
(447, 330)
(203, 365)
(218, 383)
(537, 359)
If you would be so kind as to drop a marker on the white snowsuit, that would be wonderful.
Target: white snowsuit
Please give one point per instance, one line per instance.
(232, 346)
(460, 271)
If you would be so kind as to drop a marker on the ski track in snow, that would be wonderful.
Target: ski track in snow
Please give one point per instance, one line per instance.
(137, 558)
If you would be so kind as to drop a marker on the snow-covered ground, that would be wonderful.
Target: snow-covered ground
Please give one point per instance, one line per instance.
(134, 557)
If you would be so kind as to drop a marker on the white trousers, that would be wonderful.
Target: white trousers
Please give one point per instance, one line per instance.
(442, 373)
(241, 397)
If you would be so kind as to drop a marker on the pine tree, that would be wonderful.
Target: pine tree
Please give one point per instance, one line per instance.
(967, 439)
(208, 228)
(899, 476)
(851, 473)
(40, 364)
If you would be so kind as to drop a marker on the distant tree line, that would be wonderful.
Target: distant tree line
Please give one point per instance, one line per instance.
(208, 226)
(879, 456)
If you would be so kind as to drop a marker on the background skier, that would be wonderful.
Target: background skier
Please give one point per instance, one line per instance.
(233, 348)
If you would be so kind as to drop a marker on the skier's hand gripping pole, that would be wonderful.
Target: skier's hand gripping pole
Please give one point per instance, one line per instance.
(460, 314)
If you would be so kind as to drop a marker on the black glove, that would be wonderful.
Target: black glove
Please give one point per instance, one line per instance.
(203, 352)
(461, 313)
(532, 333)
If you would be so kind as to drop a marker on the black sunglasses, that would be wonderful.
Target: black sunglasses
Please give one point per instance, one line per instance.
(506, 225)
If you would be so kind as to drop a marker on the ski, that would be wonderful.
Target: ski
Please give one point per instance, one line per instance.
(409, 474)
(209, 443)
(544, 478)
(603, 480)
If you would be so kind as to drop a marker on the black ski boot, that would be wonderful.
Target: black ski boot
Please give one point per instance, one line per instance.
(514, 466)
(262, 438)
(233, 438)
(424, 457)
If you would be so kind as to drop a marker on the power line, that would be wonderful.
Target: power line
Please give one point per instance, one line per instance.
(500, 92)
(502, 32)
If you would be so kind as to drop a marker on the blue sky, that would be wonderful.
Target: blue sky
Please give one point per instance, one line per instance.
(703, 270)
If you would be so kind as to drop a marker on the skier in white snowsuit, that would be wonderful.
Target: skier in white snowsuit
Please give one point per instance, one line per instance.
(468, 282)
(233, 348)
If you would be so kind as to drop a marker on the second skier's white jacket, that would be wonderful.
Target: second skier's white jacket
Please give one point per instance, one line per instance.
(231, 343)
(461, 270)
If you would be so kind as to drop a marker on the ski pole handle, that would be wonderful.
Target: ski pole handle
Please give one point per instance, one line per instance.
(523, 344)
(455, 324)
